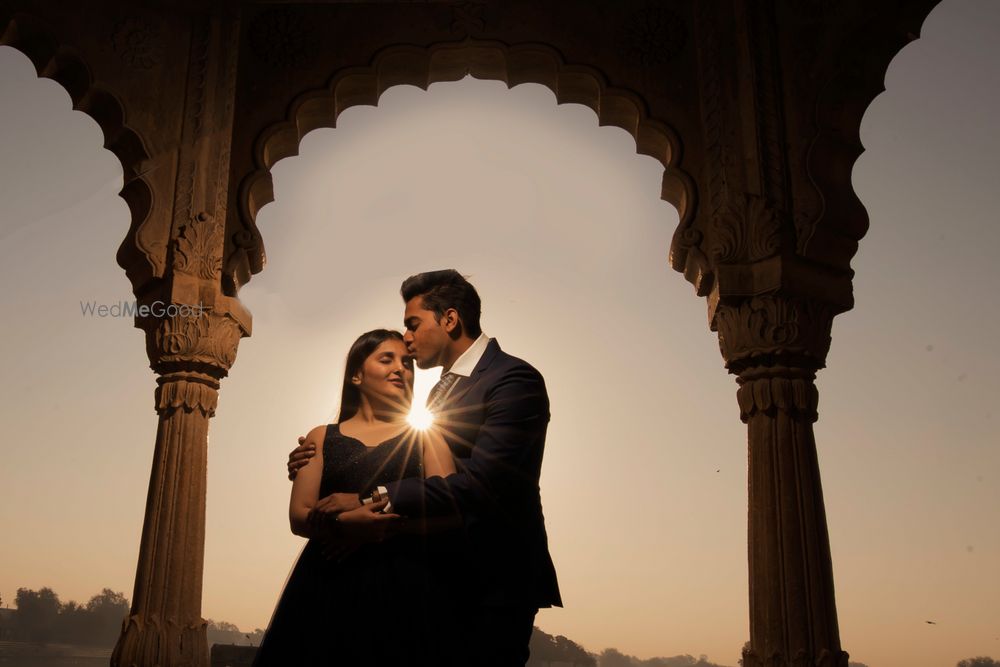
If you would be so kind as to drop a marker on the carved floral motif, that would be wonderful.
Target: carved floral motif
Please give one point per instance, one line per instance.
(192, 353)
(745, 232)
(468, 16)
(206, 338)
(774, 330)
(197, 250)
(653, 35)
(137, 42)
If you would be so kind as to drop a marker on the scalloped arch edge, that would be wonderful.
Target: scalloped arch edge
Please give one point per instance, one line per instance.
(451, 61)
(64, 65)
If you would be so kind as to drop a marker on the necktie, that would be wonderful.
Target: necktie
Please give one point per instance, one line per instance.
(440, 390)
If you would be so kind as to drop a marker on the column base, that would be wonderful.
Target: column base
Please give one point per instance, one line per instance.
(801, 659)
(152, 643)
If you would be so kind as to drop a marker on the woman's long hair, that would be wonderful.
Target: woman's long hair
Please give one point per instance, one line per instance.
(350, 396)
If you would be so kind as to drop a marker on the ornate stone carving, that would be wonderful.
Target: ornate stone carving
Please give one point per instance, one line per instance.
(184, 391)
(203, 339)
(222, 184)
(687, 255)
(468, 17)
(748, 231)
(201, 189)
(137, 42)
(774, 330)
(653, 35)
(768, 100)
(713, 110)
(198, 248)
(795, 94)
(403, 64)
(108, 107)
(690, 238)
(777, 388)
(282, 37)
(184, 189)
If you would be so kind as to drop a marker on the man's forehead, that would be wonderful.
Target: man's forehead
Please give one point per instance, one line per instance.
(414, 308)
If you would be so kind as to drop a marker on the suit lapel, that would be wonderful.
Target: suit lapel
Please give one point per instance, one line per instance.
(461, 414)
(464, 384)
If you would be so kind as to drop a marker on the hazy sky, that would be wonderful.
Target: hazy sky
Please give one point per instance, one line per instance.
(559, 225)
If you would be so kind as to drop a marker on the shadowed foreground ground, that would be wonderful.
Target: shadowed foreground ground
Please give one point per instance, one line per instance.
(30, 654)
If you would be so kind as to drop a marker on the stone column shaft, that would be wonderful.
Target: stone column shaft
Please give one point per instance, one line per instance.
(165, 625)
(793, 615)
(774, 344)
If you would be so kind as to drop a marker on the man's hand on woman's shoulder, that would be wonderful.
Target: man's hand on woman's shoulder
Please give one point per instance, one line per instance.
(300, 456)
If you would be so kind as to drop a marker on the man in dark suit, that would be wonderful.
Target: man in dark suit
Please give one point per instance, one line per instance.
(493, 410)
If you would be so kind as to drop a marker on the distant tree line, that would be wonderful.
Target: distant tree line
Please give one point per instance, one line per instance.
(969, 662)
(547, 650)
(41, 617)
(611, 657)
(222, 632)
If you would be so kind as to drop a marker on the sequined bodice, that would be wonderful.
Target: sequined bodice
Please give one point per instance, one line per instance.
(350, 466)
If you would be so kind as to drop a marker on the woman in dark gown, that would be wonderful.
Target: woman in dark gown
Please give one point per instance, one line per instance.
(372, 605)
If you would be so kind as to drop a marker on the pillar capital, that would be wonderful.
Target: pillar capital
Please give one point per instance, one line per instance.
(774, 335)
(204, 341)
(192, 328)
(191, 354)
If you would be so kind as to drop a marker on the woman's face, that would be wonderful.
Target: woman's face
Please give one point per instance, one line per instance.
(387, 374)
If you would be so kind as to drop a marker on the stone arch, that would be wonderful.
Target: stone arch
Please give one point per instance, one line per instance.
(837, 219)
(452, 61)
(65, 65)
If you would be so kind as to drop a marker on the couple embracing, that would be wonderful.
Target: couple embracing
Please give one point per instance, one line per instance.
(426, 547)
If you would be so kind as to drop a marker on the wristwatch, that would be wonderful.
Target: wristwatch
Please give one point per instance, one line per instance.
(378, 495)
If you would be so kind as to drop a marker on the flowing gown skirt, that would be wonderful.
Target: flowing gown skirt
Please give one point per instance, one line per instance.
(375, 607)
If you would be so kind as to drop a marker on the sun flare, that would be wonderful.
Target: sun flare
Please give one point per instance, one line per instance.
(420, 417)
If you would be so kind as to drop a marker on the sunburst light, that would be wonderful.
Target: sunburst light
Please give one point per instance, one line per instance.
(420, 417)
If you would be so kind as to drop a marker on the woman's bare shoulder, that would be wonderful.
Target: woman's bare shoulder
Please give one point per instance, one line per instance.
(316, 436)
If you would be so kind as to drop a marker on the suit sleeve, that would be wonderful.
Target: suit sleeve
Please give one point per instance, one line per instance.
(505, 458)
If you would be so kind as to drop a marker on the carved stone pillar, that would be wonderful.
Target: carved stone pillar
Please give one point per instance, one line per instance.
(192, 332)
(775, 344)
(192, 353)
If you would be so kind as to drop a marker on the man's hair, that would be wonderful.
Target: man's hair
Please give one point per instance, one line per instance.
(441, 290)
